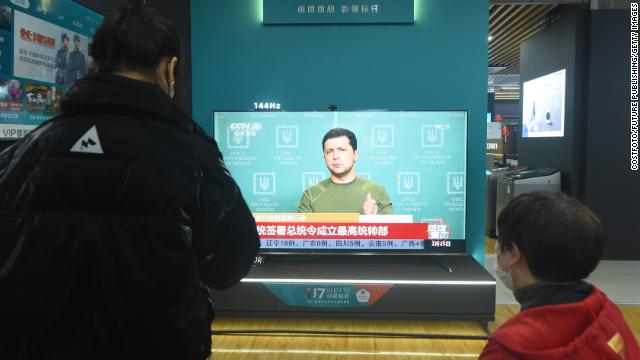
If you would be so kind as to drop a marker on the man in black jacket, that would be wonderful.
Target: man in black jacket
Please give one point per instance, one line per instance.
(118, 216)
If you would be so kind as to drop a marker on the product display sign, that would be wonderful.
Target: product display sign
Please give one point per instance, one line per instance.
(495, 143)
(543, 102)
(43, 48)
(328, 296)
(418, 157)
(337, 12)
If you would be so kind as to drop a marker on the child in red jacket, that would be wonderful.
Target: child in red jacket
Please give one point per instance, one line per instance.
(548, 244)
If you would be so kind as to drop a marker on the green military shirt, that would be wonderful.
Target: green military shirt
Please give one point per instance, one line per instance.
(329, 197)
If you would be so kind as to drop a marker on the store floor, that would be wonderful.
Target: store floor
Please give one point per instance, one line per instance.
(616, 278)
(321, 347)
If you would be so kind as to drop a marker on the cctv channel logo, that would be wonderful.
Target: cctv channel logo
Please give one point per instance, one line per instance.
(237, 139)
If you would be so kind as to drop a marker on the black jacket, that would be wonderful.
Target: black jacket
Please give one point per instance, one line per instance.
(107, 240)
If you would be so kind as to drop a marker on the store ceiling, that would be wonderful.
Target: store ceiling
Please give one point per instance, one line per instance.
(510, 23)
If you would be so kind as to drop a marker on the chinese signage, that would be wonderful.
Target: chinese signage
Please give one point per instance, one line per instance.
(391, 236)
(351, 231)
(328, 296)
(338, 11)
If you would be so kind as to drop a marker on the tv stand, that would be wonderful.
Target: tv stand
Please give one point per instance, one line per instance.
(436, 259)
(442, 287)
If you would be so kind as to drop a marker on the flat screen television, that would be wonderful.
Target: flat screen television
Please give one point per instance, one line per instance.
(418, 157)
(43, 49)
(543, 101)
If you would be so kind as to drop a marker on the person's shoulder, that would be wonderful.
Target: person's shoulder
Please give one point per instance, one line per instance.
(520, 331)
(515, 325)
(536, 322)
(599, 300)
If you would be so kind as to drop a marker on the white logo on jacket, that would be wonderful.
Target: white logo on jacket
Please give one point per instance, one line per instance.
(88, 143)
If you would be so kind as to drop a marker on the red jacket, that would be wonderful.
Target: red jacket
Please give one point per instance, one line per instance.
(590, 329)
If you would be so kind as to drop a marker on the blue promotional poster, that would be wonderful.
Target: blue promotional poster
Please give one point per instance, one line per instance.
(44, 47)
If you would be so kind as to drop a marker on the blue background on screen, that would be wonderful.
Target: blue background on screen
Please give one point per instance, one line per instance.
(419, 157)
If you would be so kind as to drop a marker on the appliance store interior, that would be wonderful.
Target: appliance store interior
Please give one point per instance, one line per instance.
(459, 107)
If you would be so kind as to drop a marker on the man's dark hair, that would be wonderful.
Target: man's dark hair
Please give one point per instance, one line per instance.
(338, 132)
(64, 36)
(559, 237)
(136, 38)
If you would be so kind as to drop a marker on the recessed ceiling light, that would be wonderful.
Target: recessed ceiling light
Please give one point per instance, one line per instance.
(495, 68)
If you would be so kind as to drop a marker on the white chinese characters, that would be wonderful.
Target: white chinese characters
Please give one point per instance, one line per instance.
(362, 8)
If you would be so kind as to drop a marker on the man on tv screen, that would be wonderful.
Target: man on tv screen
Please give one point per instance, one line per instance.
(344, 191)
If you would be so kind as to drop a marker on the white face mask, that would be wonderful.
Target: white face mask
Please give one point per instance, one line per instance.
(505, 276)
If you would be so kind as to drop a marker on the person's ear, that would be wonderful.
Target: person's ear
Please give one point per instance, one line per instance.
(171, 70)
(170, 76)
(356, 155)
(514, 256)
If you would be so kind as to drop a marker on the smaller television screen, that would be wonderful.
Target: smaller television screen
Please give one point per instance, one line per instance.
(543, 101)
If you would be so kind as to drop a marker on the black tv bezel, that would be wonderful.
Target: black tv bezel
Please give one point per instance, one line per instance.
(424, 251)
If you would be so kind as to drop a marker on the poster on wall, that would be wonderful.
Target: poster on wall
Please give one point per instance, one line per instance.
(44, 48)
(543, 106)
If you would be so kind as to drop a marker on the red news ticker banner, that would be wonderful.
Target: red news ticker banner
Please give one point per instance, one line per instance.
(360, 231)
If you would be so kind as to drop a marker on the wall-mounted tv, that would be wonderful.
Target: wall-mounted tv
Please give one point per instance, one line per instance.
(543, 102)
(43, 49)
(417, 158)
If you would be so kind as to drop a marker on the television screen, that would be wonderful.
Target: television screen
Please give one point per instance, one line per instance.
(410, 164)
(43, 49)
(543, 106)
